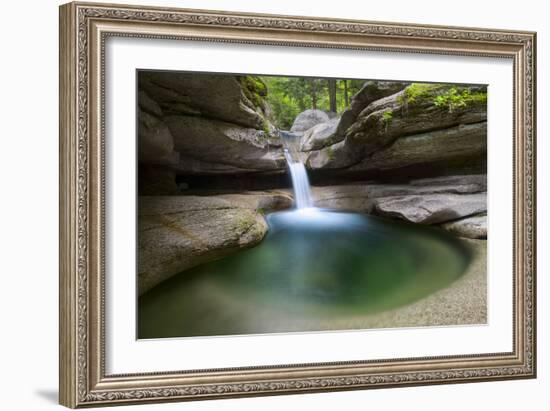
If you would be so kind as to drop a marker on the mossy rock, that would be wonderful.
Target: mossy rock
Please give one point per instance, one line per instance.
(254, 89)
(419, 108)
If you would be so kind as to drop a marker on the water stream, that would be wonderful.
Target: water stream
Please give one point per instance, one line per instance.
(300, 182)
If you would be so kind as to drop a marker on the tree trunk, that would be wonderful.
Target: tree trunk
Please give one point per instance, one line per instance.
(346, 96)
(313, 95)
(332, 94)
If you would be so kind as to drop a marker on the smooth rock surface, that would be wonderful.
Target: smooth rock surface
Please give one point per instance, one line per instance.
(309, 118)
(470, 227)
(221, 143)
(214, 96)
(353, 197)
(361, 197)
(336, 156)
(460, 142)
(431, 208)
(179, 232)
(320, 135)
(206, 124)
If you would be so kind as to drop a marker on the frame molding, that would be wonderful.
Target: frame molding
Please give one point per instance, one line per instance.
(83, 30)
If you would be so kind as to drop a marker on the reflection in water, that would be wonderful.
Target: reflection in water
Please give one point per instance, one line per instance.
(314, 267)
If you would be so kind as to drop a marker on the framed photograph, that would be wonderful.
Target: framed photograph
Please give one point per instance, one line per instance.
(259, 204)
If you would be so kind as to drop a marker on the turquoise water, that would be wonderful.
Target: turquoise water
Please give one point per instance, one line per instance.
(314, 269)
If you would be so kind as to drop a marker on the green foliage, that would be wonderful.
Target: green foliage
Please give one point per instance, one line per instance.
(454, 98)
(387, 117)
(289, 96)
(442, 95)
(254, 89)
(418, 91)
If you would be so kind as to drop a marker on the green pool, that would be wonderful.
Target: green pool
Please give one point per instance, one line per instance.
(315, 268)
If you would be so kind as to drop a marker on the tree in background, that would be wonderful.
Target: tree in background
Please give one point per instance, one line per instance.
(289, 96)
(332, 95)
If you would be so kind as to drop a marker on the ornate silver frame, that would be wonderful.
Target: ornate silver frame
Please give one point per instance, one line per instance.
(83, 30)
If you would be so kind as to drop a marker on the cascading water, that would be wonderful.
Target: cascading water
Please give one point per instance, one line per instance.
(298, 173)
(300, 182)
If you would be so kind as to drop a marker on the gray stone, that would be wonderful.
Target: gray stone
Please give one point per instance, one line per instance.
(309, 118)
(157, 180)
(180, 232)
(406, 128)
(156, 145)
(431, 208)
(361, 197)
(354, 197)
(455, 143)
(470, 227)
(399, 115)
(222, 144)
(206, 124)
(392, 190)
(214, 96)
(320, 135)
(370, 92)
(149, 105)
(335, 156)
(479, 181)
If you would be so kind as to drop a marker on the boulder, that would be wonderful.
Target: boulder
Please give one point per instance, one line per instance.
(235, 99)
(477, 182)
(449, 144)
(361, 197)
(431, 208)
(206, 124)
(468, 184)
(438, 113)
(180, 232)
(156, 145)
(370, 92)
(333, 131)
(336, 156)
(222, 145)
(354, 197)
(470, 227)
(413, 110)
(307, 119)
(319, 135)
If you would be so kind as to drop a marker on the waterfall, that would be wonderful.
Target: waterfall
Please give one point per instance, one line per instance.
(300, 182)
